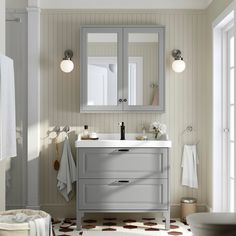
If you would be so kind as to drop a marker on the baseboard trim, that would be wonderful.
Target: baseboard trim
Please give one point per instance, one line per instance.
(33, 207)
(15, 206)
(64, 210)
(60, 210)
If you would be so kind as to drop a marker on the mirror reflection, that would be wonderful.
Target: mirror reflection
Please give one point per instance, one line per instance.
(138, 85)
(143, 69)
(102, 69)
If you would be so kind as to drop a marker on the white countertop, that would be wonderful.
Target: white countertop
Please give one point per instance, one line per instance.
(123, 143)
(110, 140)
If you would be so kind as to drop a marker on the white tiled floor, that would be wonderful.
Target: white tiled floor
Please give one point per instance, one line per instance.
(120, 227)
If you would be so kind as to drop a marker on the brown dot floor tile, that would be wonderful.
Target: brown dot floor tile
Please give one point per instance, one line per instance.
(88, 226)
(109, 218)
(171, 221)
(130, 226)
(174, 226)
(108, 229)
(90, 221)
(67, 220)
(129, 221)
(65, 225)
(148, 218)
(150, 223)
(175, 233)
(152, 229)
(109, 224)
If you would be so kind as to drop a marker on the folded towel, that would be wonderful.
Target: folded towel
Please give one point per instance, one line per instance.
(67, 172)
(7, 109)
(189, 165)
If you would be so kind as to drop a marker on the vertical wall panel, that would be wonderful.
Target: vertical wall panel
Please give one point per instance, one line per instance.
(16, 48)
(185, 30)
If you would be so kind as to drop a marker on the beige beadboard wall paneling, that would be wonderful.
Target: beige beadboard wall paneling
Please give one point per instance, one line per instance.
(185, 92)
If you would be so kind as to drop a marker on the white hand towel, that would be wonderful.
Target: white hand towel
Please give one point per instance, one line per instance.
(67, 172)
(40, 227)
(7, 109)
(189, 166)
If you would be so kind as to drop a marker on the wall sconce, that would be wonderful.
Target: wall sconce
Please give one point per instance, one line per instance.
(67, 64)
(178, 64)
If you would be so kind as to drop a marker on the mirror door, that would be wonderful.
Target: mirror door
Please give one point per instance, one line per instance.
(144, 69)
(101, 53)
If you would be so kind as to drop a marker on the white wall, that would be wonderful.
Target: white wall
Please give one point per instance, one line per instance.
(185, 93)
(124, 4)
(213, 11)
(2, 51)
(17, 4)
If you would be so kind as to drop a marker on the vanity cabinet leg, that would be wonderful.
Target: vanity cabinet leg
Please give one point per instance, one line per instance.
(167, 220)
(79, 217)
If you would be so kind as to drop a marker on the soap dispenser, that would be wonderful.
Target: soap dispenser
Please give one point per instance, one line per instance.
(85, 134)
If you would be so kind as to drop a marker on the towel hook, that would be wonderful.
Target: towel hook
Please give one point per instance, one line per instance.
(66, 129)
(189, 128)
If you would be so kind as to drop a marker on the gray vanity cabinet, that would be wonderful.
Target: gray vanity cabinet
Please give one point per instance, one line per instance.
(122, 68)
(123, 180)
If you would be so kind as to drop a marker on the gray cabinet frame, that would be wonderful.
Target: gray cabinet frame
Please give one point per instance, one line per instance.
(122, 60)
(161, 67)
(83, 71)
(82, 178)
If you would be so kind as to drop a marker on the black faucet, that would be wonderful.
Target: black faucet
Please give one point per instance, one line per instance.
(122, 130)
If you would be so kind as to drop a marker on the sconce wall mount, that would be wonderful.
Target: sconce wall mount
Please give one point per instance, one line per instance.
(67, 64)
(178, 64)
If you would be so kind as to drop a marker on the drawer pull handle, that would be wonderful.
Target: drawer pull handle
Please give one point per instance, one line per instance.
(123, 181)
(123, 150)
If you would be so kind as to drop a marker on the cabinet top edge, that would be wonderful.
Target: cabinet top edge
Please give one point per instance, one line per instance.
(123, 143)
(122, 26)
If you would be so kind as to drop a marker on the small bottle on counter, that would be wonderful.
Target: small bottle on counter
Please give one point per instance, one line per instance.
(85, 134)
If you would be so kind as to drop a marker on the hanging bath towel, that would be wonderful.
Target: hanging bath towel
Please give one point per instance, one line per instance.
(67, 172)
(189, 166)
(7, 109)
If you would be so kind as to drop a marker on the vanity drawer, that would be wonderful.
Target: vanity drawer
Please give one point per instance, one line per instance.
(123, 194)
(122, 163)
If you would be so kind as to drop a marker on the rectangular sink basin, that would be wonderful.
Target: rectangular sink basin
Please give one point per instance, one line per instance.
(113, 140)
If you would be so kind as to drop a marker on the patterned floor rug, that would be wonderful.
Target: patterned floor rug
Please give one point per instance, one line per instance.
(119, 227)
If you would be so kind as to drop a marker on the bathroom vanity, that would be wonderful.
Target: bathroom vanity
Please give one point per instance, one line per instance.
(123, 176)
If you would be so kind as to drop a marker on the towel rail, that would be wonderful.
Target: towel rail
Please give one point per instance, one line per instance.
(188, 129)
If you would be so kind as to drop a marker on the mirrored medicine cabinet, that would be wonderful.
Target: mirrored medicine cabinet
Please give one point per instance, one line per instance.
(122, 68)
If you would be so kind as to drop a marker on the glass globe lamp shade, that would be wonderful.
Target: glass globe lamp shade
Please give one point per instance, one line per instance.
(178, 65)
(67, 65)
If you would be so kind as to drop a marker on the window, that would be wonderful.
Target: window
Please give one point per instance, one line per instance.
(229, 118)
(223, 113)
